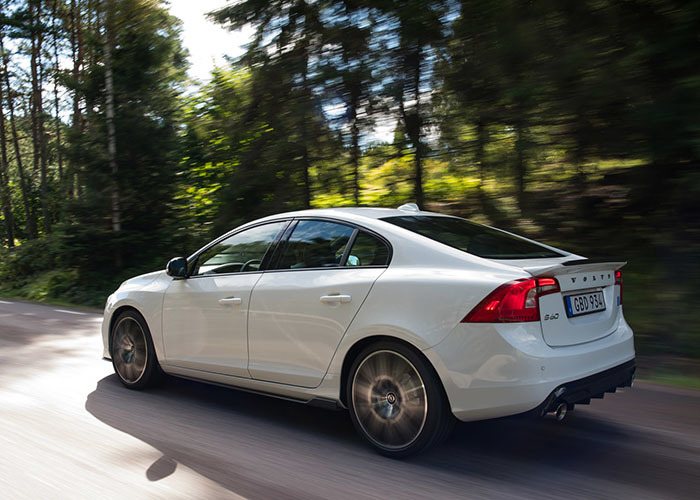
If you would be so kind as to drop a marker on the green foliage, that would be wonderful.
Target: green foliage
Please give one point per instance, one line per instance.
(50, 285)
(248, 152)
(675, 379)
(571, 122)
(148, 65)
(85, 256)
(35, 271)
(30, 258)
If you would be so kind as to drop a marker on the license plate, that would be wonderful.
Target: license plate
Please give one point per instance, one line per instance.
(584, 303)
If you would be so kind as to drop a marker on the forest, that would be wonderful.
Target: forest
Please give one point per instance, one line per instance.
(575, 123)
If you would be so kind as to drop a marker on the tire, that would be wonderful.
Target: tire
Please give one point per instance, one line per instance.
(133, 355)
(396, 401)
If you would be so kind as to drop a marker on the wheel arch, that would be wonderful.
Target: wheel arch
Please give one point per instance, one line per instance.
(116, 313)
(354, 351)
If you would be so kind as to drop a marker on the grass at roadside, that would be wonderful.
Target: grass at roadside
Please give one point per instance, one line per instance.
(673, 371)
(5, 295)
(674, 380)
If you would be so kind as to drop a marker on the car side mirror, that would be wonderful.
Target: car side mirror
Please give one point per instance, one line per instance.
(177, 267)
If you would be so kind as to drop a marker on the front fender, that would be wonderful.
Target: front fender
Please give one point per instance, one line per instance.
(148, 301)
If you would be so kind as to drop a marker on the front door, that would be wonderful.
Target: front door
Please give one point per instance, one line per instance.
(205, 317)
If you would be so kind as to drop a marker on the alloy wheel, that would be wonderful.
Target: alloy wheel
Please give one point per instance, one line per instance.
(390, 400)
(129, 350)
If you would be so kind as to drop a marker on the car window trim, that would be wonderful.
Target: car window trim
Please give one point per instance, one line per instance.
(348, 247)
(193, 258)
(334, 268)
(281, 245)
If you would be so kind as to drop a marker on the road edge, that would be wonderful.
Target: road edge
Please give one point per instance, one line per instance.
(63, 305)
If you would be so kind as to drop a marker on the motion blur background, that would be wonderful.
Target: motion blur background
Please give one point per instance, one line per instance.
(575, 123)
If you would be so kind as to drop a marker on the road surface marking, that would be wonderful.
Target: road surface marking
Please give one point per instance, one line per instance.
(70, 312)
(5, 302)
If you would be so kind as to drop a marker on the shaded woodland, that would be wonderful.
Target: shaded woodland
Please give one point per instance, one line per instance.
(576, 123)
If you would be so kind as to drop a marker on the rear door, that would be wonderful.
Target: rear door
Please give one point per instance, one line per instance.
(300, 310)
(588, 306)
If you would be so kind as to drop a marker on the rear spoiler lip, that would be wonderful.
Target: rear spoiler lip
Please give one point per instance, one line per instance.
(577, 262)
(576, 266)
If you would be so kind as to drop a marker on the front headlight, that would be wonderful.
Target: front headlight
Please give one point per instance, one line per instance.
(110, 302)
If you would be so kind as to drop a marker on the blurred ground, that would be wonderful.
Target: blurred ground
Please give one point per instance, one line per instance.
(69, 429)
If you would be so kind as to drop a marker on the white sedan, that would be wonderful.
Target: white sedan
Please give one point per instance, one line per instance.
(406, 318)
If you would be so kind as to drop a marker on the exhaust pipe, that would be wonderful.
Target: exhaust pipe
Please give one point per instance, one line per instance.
(561, 411)
(556, 405)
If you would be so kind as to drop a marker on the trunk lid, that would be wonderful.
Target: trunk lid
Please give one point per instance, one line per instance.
(588, 305)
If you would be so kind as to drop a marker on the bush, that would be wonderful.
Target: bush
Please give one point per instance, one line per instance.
(56, 284)
(41, 270)
(31, 257)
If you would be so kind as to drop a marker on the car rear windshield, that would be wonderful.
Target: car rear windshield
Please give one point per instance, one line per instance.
(472, 238)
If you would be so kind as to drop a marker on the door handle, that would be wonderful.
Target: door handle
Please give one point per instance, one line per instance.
(336, 299)
(230, 301)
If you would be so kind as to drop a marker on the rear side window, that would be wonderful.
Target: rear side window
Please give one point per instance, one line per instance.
(314, 244)
(368, 250)
(472, 238)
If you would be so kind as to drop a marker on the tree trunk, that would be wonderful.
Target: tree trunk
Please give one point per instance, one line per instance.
(412, 119)
(418, 186)
(37, 113)
(57, 118)
(305, 160)
(111, 131)
(520, 163)
(355, 145)
(23, 181)
(5, 198)
(480, 156)
(76, 43)
(35, 87)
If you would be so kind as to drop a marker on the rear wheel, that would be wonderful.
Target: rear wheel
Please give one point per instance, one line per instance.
(133, 356)
(396, 401)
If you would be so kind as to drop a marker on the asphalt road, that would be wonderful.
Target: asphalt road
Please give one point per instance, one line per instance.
(68, 429)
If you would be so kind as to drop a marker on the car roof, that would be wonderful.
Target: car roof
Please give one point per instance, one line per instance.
(409, 248)
(367, 212)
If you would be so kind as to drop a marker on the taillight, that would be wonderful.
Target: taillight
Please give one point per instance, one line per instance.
(618, 282)
(514, 302)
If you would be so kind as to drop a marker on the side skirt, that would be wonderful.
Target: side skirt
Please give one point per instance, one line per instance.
(286, 393)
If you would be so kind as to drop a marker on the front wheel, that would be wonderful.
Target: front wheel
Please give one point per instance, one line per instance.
(396, 400)
(133, 356)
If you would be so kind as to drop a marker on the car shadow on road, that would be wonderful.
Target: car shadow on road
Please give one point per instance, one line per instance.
(585, 455)
(226, 435)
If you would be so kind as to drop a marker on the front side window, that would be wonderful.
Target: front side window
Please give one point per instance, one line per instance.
(242, 252)
(314, 244)
(472, 238)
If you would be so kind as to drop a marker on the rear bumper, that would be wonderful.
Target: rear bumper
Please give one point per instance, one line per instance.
(491, 371)
(593, 387)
